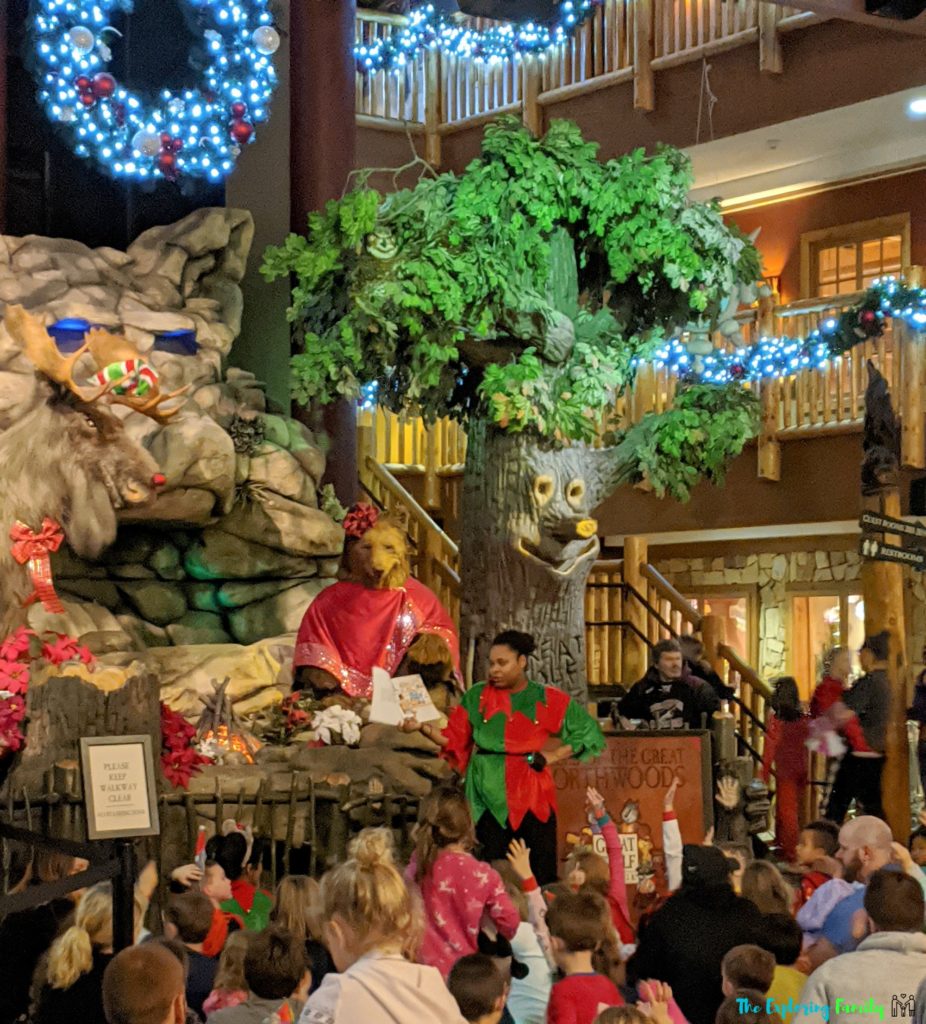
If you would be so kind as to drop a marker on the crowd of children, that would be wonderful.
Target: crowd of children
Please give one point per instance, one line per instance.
(448, 938)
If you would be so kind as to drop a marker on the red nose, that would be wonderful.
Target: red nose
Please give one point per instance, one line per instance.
(158, 480)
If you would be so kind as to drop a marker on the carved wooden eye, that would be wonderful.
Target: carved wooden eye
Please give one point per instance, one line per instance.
(543, 489)
(575, 492)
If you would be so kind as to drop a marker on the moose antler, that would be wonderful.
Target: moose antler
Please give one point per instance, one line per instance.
(109, 348)
(104, 347)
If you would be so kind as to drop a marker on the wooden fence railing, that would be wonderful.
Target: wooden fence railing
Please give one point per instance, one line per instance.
(624, 41)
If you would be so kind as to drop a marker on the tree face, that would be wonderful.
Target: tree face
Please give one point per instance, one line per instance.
(519, 292)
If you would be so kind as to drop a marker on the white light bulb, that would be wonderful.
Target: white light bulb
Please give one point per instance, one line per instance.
(82, 39)
(266, 39)
(145, 142)
(917, 107)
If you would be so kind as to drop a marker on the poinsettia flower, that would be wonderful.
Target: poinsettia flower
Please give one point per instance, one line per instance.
(65, 648)
(14, 677)
(180, 760)
(16, 644)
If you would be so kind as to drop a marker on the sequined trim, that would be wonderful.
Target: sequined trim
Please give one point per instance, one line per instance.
(354, 683)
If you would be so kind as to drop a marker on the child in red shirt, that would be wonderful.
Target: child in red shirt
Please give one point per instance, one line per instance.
(578, 924)
(786, 757)
(589, 872)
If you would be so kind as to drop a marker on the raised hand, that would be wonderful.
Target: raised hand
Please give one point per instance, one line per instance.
(656, 996)
(728, 792)
(594, 801)
(668, 802)
(187, 874)
(708, 837)
(519, 857)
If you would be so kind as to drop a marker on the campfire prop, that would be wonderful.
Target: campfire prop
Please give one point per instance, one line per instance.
(219, 727)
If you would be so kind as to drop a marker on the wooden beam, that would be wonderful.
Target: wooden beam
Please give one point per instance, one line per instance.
(532, 112)
(635, 653)
(854, 10)
(883, 590)
(770, 57)
(433, 104)
(769, 446)
(644, 91)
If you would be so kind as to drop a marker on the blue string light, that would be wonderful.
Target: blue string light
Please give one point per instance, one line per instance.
(784, 356)
(428, 30)
(196, 132)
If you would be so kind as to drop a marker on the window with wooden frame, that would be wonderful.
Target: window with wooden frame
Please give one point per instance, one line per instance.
(831, 615)
(848, 258)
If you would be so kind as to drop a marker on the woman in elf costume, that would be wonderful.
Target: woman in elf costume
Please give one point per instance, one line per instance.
(501, 739)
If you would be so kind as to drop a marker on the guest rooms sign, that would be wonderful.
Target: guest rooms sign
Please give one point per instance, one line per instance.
(119, 787)
(633, 774)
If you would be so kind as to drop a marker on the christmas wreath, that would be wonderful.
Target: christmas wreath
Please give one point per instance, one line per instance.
(198, 131)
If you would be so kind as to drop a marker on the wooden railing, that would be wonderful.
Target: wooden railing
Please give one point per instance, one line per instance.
(435, 557)
(624, 41)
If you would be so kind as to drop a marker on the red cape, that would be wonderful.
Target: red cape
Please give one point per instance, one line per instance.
(350, 629)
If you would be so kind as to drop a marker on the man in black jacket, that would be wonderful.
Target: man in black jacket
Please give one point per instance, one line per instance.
(684, 942)
(863, 721)
(664, 699)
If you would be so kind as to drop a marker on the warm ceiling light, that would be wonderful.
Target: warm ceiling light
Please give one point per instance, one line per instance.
(917, 107)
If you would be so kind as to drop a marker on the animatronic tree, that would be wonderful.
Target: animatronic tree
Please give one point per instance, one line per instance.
(516, 299)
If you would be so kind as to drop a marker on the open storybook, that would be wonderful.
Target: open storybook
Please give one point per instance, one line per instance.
(403, 697)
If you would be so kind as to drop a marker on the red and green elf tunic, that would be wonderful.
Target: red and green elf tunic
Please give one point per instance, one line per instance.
(494, 724)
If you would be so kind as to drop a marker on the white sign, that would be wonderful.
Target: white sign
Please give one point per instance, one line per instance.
(119, 787)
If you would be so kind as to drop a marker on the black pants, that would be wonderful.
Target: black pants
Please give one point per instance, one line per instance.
(540, 837)
(857, 778)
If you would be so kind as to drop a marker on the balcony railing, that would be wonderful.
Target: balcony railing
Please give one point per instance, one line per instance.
(812, 402)
(624, 41)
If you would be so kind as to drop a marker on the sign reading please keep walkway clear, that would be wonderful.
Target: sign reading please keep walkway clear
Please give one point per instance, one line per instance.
(119, 788)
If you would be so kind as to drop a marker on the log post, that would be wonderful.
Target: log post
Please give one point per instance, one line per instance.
(635, 654)
(433, 107)
(770, 58)
(431, 497)
(644, 89)
(531, 111)
(909, 345)
(769, 445)
(713, 635)
(883, 592)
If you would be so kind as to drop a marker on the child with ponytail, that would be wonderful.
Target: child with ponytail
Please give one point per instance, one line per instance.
(458, 891)
(69, 982)
(370, 919)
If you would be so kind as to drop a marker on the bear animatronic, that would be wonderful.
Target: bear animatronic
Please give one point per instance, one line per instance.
(378, 617)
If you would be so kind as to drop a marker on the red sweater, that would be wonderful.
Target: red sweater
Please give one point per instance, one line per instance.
(579, 999)
(785, 748)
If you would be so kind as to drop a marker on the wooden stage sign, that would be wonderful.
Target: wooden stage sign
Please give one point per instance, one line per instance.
(633, 774)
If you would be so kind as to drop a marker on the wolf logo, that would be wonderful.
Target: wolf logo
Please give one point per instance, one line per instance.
(903, 1005)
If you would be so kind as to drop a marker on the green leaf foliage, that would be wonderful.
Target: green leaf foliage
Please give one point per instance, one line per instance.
(697, 438)
(521, 290)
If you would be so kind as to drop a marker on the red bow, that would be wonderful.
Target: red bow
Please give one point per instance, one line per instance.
(362, 517)
(35, 548)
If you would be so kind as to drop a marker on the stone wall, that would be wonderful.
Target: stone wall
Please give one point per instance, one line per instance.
(770, 574)
(236, 545)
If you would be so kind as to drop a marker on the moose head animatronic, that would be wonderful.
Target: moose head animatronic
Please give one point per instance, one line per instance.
(69, 458)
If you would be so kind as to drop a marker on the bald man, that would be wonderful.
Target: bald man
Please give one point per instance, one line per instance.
(144, 985)
(865, 846)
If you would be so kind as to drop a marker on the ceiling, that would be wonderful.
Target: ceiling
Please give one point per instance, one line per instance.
(809, 154)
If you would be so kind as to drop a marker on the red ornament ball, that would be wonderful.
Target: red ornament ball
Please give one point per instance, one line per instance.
(242, 132)
(176, 145)
(167, 162)
(868, 316)
(88, 99)
(238, 110)
(82, 83)
(166, 140)
(104, 85)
